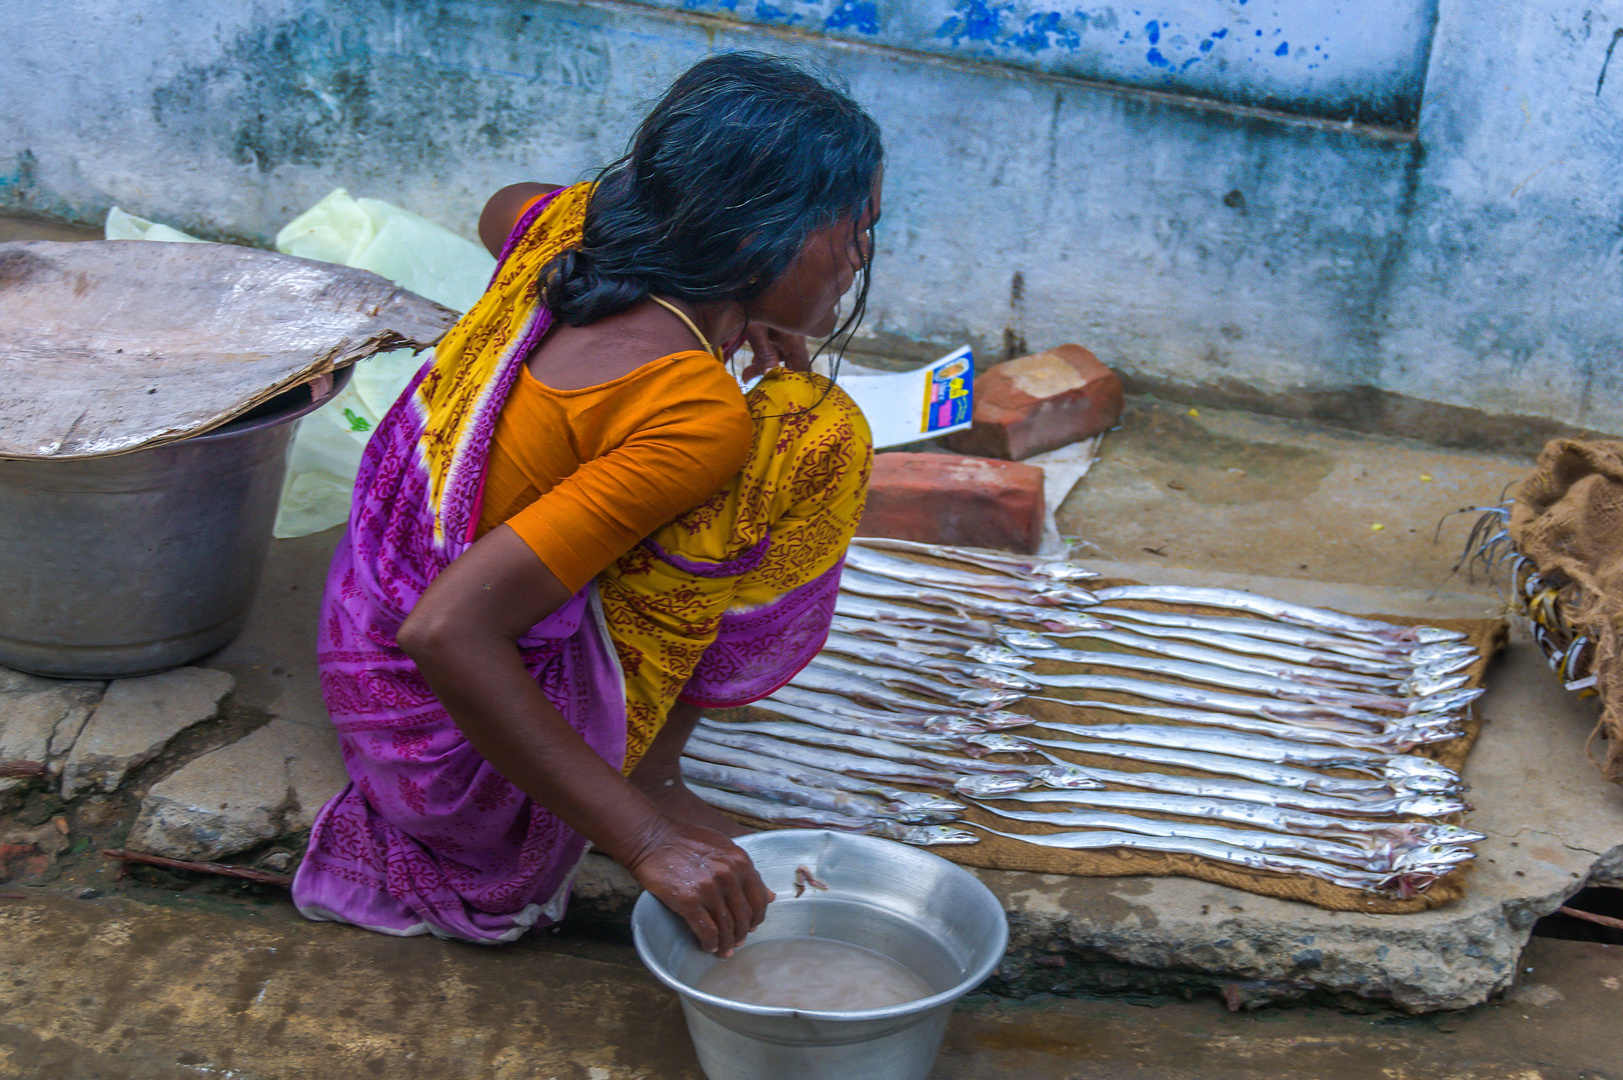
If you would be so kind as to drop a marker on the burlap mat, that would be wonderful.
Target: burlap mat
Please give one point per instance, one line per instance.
(999, 853)
(1568, 519)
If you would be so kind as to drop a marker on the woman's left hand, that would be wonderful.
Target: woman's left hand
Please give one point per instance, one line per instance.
(774, 348)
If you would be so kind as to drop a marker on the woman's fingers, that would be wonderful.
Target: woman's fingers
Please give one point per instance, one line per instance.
(728, 935)
(760, 896)
(736, 899)
(740, 910)
(763, 355)
(773, 348)
(699, 921)
(792, 352)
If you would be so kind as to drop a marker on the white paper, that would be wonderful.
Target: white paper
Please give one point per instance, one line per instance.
(907, 406)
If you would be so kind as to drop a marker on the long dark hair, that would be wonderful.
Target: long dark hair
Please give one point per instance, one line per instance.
(743, 158)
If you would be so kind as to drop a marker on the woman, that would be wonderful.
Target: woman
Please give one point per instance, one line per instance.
(573, 531)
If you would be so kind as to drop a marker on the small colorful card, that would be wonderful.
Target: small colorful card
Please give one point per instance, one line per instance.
(909, 406)
(949, 393)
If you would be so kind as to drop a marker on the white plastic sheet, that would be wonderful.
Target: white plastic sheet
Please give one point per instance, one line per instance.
(907, 406)
(414, 253)
(408, 249)
(122, 226)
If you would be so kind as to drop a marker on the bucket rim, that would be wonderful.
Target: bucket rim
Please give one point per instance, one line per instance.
(971, 978)
(255, 420)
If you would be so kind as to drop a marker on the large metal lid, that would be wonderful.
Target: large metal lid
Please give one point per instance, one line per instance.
(108, 347)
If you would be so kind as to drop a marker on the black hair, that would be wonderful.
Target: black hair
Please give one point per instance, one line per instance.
(744, 157)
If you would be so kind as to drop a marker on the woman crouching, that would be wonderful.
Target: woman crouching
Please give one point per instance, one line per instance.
(573, 530)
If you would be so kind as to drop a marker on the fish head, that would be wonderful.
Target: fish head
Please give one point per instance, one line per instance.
(987, 699)
(1431, 857)
(1016, 638)
(1447, 701)
(1438, 833)
(918, 800)
(995, 743)
(921, 816)
(997, 654)
(1439, 668)
(1443, 652)
(1061, 595)
(1427, 721)
(937, 835)
(1430, 685)
(999, 719)
(1065, 778)
(1447, 728)
(1415, 765)
(990, 786)
(1070, 622)
(951, 725)
(1430, 736)
(1426, 784)
(1062, 570)
(1433, 635)
(1002, 678)
(1431, 806)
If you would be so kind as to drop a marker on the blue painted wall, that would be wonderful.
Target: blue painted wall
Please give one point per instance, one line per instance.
(1362, 60)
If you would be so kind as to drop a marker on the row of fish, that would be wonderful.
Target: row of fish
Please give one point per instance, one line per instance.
(1298, 722)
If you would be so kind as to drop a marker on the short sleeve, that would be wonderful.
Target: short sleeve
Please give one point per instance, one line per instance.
(688, 434)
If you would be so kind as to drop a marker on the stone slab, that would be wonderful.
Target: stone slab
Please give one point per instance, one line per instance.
(268, 784)
(1551, 821)
(40, 718)
(315, 772)
(1553, 825)
(134, 721)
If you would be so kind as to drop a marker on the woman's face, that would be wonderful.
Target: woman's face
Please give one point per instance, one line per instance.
(806, 298)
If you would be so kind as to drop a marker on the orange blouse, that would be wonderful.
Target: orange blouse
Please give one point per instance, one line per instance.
(582, 475)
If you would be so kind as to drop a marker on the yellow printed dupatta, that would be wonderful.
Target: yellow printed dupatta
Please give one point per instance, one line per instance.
(455, 398)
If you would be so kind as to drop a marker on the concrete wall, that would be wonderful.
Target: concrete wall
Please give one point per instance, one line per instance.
(1463, 251)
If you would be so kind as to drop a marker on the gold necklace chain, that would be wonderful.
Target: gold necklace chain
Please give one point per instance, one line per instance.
(674, 310)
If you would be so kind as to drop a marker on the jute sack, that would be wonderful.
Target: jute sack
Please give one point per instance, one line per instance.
(1568, 520)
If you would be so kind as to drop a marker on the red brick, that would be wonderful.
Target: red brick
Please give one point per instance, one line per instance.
(1040, 402)
(951, 499)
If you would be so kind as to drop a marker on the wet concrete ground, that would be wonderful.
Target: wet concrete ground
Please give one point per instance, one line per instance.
(1221, 490)
(107, 989)
(156, 984)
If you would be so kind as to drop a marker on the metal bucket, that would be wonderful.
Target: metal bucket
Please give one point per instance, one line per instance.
(912, 906)
(139, 562)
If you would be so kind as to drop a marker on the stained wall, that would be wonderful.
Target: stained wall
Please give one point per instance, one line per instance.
(1353, 210)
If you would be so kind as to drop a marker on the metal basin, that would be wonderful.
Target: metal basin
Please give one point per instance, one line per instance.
(915, 907)
(144, 561)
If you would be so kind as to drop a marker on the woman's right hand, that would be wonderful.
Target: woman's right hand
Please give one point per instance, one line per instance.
(705, 878)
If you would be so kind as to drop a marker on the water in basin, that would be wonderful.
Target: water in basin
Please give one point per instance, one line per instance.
(814, 974)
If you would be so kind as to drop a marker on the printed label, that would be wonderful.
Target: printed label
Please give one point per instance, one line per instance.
(949, 392)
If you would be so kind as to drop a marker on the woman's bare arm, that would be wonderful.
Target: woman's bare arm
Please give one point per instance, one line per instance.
(502, 212)
(462, 635)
